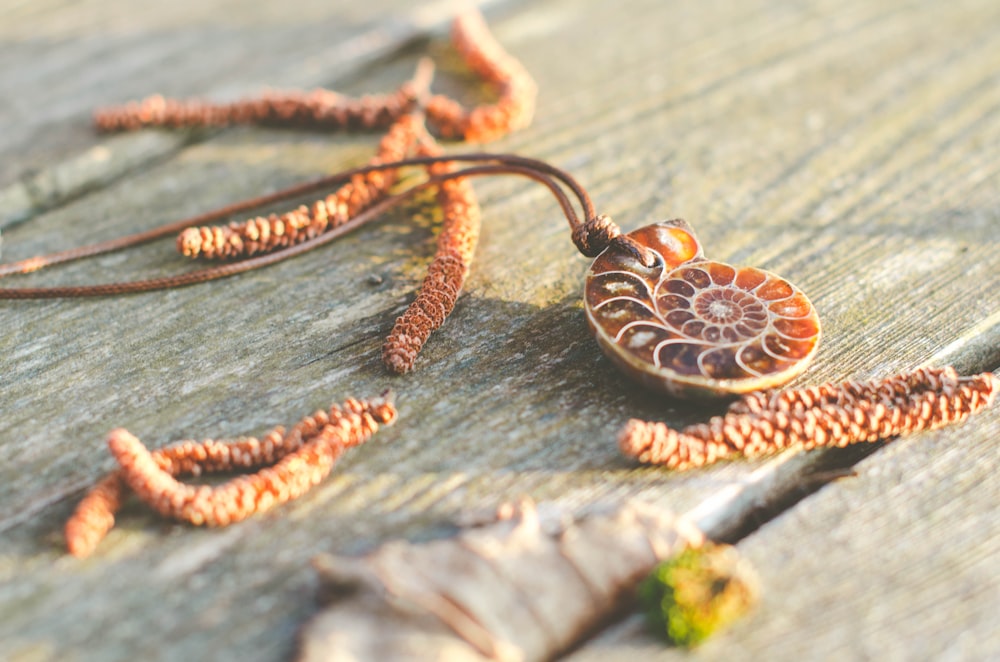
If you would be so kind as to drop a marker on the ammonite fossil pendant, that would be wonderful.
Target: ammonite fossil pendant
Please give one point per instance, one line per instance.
(694, 327)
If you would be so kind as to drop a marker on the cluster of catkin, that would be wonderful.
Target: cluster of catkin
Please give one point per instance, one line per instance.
(407, 135)
(288, 464)
(400, 113)
(827, 415)
(325, 109)
(446, 273)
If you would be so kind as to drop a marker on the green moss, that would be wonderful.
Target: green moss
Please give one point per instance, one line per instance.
(696, 593)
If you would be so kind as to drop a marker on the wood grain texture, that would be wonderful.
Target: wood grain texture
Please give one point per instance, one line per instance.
(895, 563)
(908, 570)
(849, 146)
(62, 60)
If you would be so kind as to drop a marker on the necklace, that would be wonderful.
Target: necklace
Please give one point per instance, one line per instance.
(659, 309)
(663, 313)
(694, 327)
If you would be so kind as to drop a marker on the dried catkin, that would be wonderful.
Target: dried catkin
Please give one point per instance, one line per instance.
(516, 90)
(317, 109)
(446, 274)
(94, 515)
(828, 415)
(294, 461)
(268, 233)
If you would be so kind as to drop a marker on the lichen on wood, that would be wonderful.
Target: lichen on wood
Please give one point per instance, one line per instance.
(700, 591)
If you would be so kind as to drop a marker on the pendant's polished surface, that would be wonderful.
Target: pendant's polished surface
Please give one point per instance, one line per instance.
(694, 327)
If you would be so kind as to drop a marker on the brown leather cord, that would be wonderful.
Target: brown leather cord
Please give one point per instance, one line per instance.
(41, 261)
(93, 250)
(270, 232)
(591, 236)
(419, 87)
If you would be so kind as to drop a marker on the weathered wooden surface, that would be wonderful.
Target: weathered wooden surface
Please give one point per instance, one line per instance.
(897, 563)
(850, 146)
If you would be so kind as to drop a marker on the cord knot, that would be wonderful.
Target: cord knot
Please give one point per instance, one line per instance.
(592, 237)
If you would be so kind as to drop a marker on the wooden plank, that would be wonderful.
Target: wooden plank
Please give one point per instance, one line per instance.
(93, 168)
(895, 563)
(63, 59)
(848, 146)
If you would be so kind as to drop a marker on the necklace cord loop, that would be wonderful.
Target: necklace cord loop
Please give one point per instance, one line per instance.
(591, 237)
(595, 235)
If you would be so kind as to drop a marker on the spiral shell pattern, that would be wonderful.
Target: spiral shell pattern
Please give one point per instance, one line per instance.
(694, 327)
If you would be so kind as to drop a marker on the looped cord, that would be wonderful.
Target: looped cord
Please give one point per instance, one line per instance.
(594, 235)
(641, 253)
(591, 237)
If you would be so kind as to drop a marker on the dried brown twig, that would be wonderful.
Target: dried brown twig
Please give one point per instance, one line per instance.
(292, 462)
(827, 415)
(526, 587)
